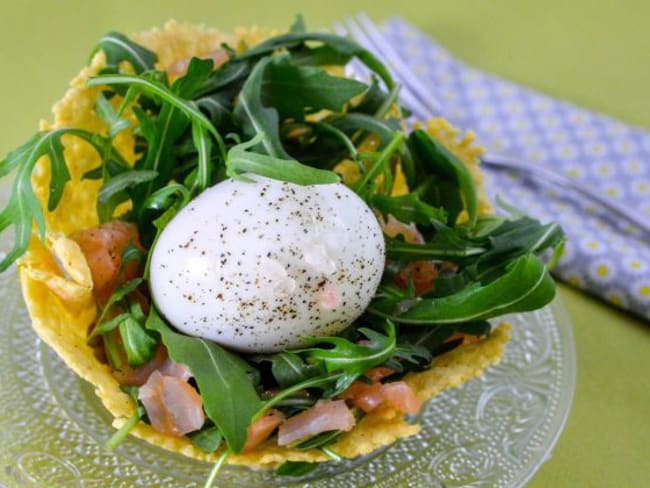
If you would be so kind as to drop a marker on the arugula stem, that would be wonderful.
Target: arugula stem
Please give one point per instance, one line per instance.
(383, 159)
(398, 249)
(215, 469)
(558, 251)
(352, 150)
(388, 102)
(331, 454)
(112, 351)
(296, 402)
(187, 107)
(310, 383)
(118, 437)
(117, 296)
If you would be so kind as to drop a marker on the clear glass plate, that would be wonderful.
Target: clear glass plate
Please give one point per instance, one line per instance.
(493, 432)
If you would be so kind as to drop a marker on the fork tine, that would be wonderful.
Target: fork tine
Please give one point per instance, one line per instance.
(366, 27)
(354, 66)
(359, 71)
(416, 103)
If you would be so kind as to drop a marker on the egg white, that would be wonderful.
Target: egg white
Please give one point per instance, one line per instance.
(259, 266)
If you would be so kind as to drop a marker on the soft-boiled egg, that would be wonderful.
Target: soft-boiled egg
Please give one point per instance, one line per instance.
(260, 265)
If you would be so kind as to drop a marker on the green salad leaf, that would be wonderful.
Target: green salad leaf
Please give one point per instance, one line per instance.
(525, 285)
(289, 369)
(23, 209)
(408, 208)
(208, 439)
(242, 160)
(455, 183)
(350, 358)
(296, 90)
(347, 48)
(110, 116)
(117, 48)
(256, 119)
(139, 344)
(229, 398)
(295, 468)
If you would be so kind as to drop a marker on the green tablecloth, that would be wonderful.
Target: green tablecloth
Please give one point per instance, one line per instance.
(592, 52)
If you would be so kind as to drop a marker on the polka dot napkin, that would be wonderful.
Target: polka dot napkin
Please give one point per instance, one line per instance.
(604, 256)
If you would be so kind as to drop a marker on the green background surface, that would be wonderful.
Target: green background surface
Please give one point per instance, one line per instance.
(595, 53)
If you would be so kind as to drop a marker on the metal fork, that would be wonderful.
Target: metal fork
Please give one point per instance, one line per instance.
(423, 104)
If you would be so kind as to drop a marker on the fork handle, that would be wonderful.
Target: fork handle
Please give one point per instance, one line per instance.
(507, 162)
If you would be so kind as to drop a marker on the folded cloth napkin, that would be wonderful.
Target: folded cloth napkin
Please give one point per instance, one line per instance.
(604, 256)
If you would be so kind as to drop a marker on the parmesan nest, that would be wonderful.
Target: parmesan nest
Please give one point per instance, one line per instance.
(57, 284)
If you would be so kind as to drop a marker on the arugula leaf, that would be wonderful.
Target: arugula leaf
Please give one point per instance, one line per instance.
(117, 296)
(524, 234)
(16, 157)
(288, 369)
(204, 169)
(352, 122)
(446, 246)
(525, 285)
(381, 164)
(295, 468)
(240, 160)
(482, 249)
(113, 191)
(321, 382)
(59, 172)
(409, 357)
(294, 90)
(111, 118)
(229, 398)
(161, 132)
(319, 56)
(407, 208)
(353, 359)
(161, 222)
(298, 24)
(228, 79)
(256, 119)
(108, 325)
(156, 88)
(23, 208)
(417, 345)
(109, 167)
(325, 127)
(373, 100)
(197, 73)
(318, 440)
(117, 48)
(344, 46)
(208, 439)
(219, 110)
(138, 343)
(113, 350)
(317, 144)
(165, 197)
(437, 158)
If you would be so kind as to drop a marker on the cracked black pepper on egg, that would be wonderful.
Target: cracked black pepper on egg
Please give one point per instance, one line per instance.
(263, 265)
